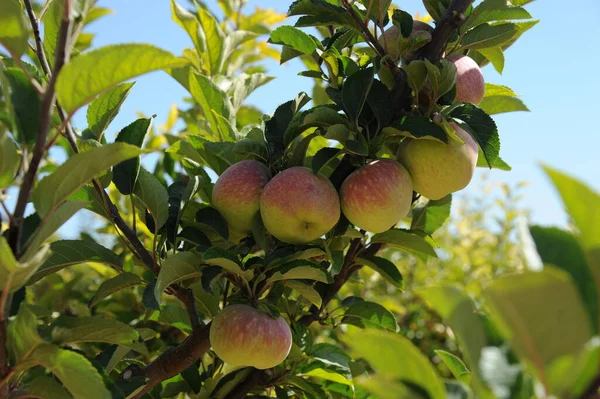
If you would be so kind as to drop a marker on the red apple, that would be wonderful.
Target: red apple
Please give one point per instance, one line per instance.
(438, 169)
(244, 336)
(470, 85)
(298, 206)
(377, 196)
(389, 39)
(236, 194)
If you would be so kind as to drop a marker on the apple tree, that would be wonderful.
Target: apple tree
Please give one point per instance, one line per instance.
(232, 263)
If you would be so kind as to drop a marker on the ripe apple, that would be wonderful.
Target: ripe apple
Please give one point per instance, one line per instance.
(298, 206)
(470, 85)
(236, 194)
(244, 336)
(389, 39)
(438, 169)
(377, 196)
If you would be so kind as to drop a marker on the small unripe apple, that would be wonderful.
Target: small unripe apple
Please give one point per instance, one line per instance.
(470, 85)
(377, 196)
(438, 169)
(298, 206)
(389, 39)
(244, 336)
(236, 194)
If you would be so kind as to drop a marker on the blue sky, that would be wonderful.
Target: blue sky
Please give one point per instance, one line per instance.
(553, 68)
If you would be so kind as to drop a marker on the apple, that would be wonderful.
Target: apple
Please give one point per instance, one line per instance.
(377, 196)
(389, 39)
(470, 85)
(236, 194)
(438, 169)
(298, 206)
(244, 336)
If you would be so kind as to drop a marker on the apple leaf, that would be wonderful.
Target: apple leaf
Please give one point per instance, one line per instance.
(13, 34)
(105, 108)
(154, 195)
(431, 216)
(115, 284)
(299, 270)
(125, 174)
(178, 267)
(482, 127)
(457, 367)
(485, 36)
(406, 240)
(69, 330)
(294, 38)
(307, 291)
(355, 91)
(365, 314)
(385, 268)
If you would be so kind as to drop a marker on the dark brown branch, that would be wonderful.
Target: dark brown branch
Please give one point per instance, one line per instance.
(593, 391)
(366, 33)
(452, 19)
(255, 378)
(40, 144)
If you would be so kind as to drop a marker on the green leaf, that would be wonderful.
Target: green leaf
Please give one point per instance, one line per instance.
(75, 172)
(365, 314)
(324, 157)
(70, 330)
(277, 125)
(212, 218)
(214, 42)
(294, 38)
(244, 85)
(355, 91)
(494, 105)
(299, 270)
(498, 164)
(307, 291)
(125, 174)
(321, 12)
(378, 8)
(23, 336)
(91, 73)
(441, 79)
(486, 36)
(494, 10)
(416, 72)
(46, 387)
(561, 249)
(496, 56)
(77, 374)
(432, 215)
(481, 127)
(90, 196)
(178, 267)
(115, 284)
(73, 252)
(386, 268)
(52, 22)
(13, 31)
(13, 274)
(498, 90)
(530, 304)
(457, 367)
(328, 375)
(582, 204)
(227, 260)
(396, 359)
(26, 104)
(154, 195)
(415, 127)
(105, 108)
(190, 23)
(10, 161)
(406, 240)
(213, 101)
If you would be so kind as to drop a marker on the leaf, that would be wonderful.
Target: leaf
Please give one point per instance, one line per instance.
(294, 38)
(211, 99)
(496, 56)
(52, 22)
(72, 252)
(494, 10)
(115, 284)
(214, 37)
(178, 267)
(498, 90)
(125, 174)
(415, 127)
(46, 387)
(244, 85)
(457, 367)
(494, 105)
(69, 330)
(561, 249)
(441, 79)
(499, 164)
(406, 240)
(582, 204)
(321, 12)
(385, 268)
(416, 72)
(481, 127)
(276, 126)
(432, 215)
(10, 160)
(299, 270)
(91, 73)
(75, 172)
(23, 336)
(367, 314)
(105, 108)
(395, 358)
(190, 23)
(154, 195)
(77, 374)
(324, 157)
(355, 91)
(211, 217)
(14, 33)
(328, 375)
(26, 104)
(530, 304)
(308, 292)
(486, 36)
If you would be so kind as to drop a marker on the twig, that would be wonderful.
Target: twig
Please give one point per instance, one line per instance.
(593, 390)
(8, 214)
(366, 33)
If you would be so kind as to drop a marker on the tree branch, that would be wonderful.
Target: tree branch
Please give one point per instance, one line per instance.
(593, 391)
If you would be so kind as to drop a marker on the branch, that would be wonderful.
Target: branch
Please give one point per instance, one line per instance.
(593, 391)
(452, 19)
(45, 117)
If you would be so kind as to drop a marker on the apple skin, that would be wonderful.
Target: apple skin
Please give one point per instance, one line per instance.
(236, 194)
(438, 169)
(377, 196)
(470, 85)
(390, 36)
(244, 336)
(298, 206)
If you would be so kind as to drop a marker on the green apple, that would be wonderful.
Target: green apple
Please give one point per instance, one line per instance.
(236, 195)
(244, 336)
(377, 196)
(298, 206)
(389, 39)
(438, 169)
(470, 85)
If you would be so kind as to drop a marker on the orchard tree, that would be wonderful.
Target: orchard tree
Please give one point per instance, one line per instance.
(236, 286)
